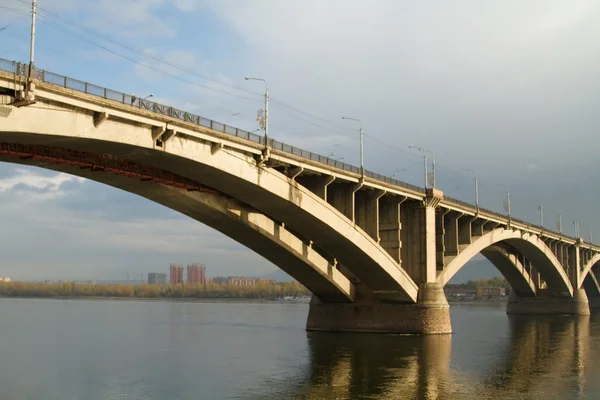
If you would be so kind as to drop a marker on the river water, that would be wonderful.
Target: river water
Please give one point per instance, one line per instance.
(104, 349)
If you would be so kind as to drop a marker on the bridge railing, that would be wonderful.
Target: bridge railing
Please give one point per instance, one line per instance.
(21, 69)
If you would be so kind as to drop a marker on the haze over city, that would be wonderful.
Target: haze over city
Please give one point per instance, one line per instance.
(510, 91)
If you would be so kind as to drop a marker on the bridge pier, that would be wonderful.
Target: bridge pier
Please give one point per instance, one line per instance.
(594, 304)
(430, 315)
(546, 304)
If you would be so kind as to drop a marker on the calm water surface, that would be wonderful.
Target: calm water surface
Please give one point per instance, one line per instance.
(86, 349)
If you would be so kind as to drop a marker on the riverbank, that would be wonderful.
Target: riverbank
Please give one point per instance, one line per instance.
(70, 290)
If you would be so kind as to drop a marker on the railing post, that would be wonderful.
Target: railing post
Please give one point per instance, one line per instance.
(64, 81)
(86, 87)
(104, 92)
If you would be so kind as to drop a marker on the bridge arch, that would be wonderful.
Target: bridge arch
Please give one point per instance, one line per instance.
(238, 221)
(130, 134)
(530, 246)
(587, 268)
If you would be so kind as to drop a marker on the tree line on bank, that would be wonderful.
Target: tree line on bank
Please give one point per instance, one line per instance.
(474, 284)
(270, 291)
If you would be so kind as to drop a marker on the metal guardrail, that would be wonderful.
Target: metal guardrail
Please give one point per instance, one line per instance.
(21, 69)
(94, 90)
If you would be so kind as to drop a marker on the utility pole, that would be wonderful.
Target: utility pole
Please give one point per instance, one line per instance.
(266, 127)
(361, 138)
(560, 223)
(32, 43)
(425, 166)
(476, 187)
(424, 150)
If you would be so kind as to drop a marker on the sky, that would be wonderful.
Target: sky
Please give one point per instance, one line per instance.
(507, 88)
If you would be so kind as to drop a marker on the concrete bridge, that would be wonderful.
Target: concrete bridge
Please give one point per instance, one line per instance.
(374, 251)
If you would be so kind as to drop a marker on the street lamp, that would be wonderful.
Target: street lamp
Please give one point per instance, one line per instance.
(339, 159)
(476, 187)
(147, 97)
(576, 226)
(331, 154)
(432, 163)
(541, 210)
(266, 107)
(507, 201)
(362, 166)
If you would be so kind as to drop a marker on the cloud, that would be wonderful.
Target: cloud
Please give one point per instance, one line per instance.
(32, 187)
(83, 229)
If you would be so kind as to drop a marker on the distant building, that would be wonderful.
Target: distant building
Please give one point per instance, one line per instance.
(196, 274)
(241, 280)
(6, 279)
(175, 274)
(491, 292)
(157, 278)
(458, 291)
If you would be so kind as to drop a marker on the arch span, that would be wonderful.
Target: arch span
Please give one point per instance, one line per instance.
(228, 216)
(588, 267)
(69, 123)
(591, 286)
(530, 246)
(512, 269)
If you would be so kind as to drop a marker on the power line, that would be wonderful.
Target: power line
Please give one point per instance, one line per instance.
(180, 78)
(139, 52)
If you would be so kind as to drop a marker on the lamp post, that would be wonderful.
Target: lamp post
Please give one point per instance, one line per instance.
(432, 163)
(507, 201)
(541, 210)
(476, 187)
(362, 165)
(32, 40)
(266, 107)
(560, 223)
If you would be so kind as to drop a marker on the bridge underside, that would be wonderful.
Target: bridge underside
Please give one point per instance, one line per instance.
(230, 217)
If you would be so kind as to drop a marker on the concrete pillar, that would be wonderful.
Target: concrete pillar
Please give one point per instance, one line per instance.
(451, 233)
(431, 315)
(574, 263)
(477, 227)
(367, 211)
(390, 225)
(419, 242)
(547, 304)
(342, 197)
(316, 184)
(440, 232)
(464, 230)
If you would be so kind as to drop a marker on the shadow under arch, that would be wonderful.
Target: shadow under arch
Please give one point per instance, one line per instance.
(226, 215)
(587, 268)
(528, 245)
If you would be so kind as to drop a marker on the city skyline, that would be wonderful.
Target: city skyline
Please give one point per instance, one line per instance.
(508, 87)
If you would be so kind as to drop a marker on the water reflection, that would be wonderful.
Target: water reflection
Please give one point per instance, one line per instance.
(546, 357)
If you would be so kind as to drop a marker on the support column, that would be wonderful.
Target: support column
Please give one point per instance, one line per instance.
(431, 315)
(342, 197)
(316, 184)
(367, 211)
(547, 304)
(419, 237)
(390, 225)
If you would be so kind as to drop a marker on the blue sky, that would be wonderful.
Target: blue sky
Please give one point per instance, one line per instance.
(508, 88)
